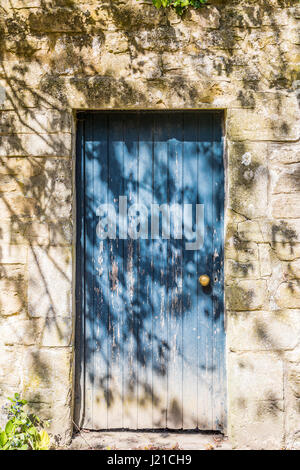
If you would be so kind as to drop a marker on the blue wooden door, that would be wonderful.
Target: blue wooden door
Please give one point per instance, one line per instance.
(150, 337)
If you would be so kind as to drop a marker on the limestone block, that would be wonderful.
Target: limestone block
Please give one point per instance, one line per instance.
(254, 16)
(58, 145)
(258, 231)
(94, 92)
(21, 231)
(257, 425)
(146, 66)
(255, 376)
(265, 260)
(285, 239)
(222, 39)
(294, 380)
(51, 188)
(275, 118)
(291, 270)
(237, 269)
(71, 55)
(116, 42)
(57, 20)
(241, 250)
(194, 66)
(11, 4)
(19, 166)
(286, 205)
(162, 39)
(16, 272)
(61, 425)
(12, 297)
(246, 295)
(56, 332)
(204, 18)
(293, 356)
(13, 205)
(131, 16)
(227, 98)
(13, 254)
(10, 367)
(9, 183)
(36, 233)
(249, 177)
(25, 232)
(17, 331)
(293, 406)
(47, 375)
(288, 295)
(9, 102)
(287, 251)
(61, 233)
(35, 121)
(254, 331)
(15, 74)
(287, 180)
(182, 93)
(274, 231)
(50, 282)
(118, 66)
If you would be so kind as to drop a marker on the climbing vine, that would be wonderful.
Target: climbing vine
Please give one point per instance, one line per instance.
(179, 5)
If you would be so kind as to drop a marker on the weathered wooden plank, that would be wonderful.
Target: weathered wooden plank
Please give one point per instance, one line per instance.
(204, 263)
(89, 275)
(219, 346)
(175, 294)
(190, 185)
(160, 278)
(130, 365)
(99, 176)
(144, 352)
(116, 275)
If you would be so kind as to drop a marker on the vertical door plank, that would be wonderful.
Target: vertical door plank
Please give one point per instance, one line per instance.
(190, 370)
(219, 382)
(204, 262)
(116, 276)
(144, 352)
(130, 365)
(160, 283)
(89, 275)
(175, 190)
(101, 365)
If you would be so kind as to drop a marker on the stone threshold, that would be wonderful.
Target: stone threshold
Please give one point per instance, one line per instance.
(148, 440)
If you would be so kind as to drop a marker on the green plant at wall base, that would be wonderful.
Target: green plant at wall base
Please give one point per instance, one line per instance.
(179, 5)
(23, 431)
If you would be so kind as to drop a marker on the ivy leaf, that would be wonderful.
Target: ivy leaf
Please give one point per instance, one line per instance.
(156, 3)
(179, 5)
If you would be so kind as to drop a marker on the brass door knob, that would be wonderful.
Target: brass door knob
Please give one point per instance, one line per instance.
(204, 280)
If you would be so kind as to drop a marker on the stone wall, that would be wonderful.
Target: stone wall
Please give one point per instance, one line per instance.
(241, 56)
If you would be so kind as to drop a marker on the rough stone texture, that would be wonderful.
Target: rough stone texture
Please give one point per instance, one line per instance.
(241, 56)
(127, 440)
